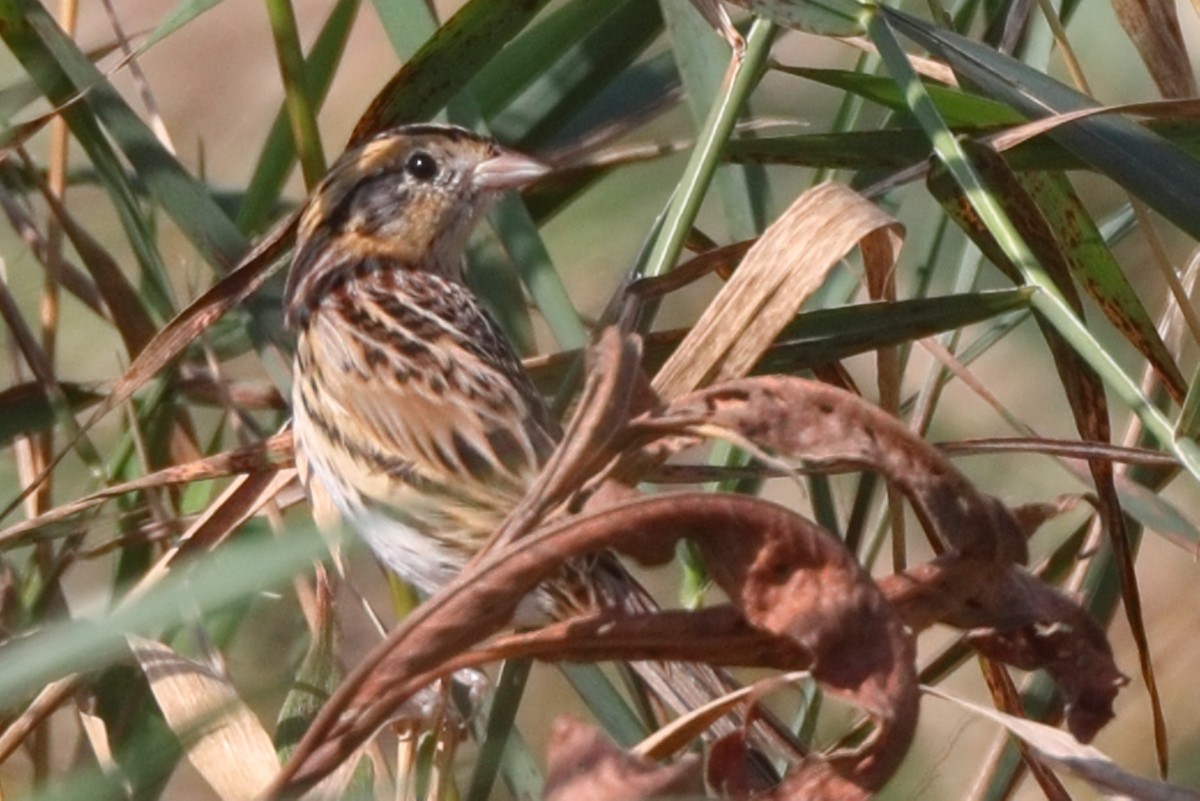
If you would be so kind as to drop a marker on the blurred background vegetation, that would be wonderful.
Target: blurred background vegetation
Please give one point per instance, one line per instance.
(174, 160)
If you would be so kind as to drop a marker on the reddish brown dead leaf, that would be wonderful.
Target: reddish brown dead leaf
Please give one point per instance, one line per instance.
(1032, 516)
(1085, 392)
(270, 455)
(799, 597)
(583, 765)
(818, 423)
(975, 586)
(1015, 618)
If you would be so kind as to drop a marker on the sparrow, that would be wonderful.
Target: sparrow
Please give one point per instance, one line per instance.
(414, 420)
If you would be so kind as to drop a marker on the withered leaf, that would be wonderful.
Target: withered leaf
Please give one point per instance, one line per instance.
(790, 583)
(583, 765)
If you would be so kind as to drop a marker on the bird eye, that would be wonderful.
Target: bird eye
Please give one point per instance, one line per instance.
(421, 165)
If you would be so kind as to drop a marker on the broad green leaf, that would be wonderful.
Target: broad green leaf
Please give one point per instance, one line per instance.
(1099, 274)
(958, 107)
(407, 23)
(444, 65)
(559, 66)
(1146, 164)
(895, 148)
(823, 336)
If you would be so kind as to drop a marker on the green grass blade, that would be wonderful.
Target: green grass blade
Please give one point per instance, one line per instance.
(701, 57)
(555, 69)
(278, 154)
(1047, 301)
(822, 17)
(689, 194)
(1147, 165)
(183, 13)
(298, 97)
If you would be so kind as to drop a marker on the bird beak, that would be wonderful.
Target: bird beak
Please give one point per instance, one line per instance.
(509, 170)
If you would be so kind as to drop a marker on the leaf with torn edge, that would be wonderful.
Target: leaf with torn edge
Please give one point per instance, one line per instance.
(782, 270)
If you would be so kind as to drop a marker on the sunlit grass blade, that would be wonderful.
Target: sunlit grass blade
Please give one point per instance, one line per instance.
(299, 99)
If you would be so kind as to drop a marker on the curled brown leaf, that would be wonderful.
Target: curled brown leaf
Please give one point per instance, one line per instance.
(582, 765)
(797, 595)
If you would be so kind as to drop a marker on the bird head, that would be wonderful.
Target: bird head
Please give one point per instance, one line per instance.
(410, 196)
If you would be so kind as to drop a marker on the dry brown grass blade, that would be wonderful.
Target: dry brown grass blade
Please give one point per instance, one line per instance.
(129, 316)
(270, 454)
(798, 595)
(1154, 109)
(48, 700)
(1007, 699)
(1153, 26)
(201, 313)
(1073, 449)
(225, 742)
(783, 268)
(684, 730)
(176, 335)
(65, 274)
(244, 497)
